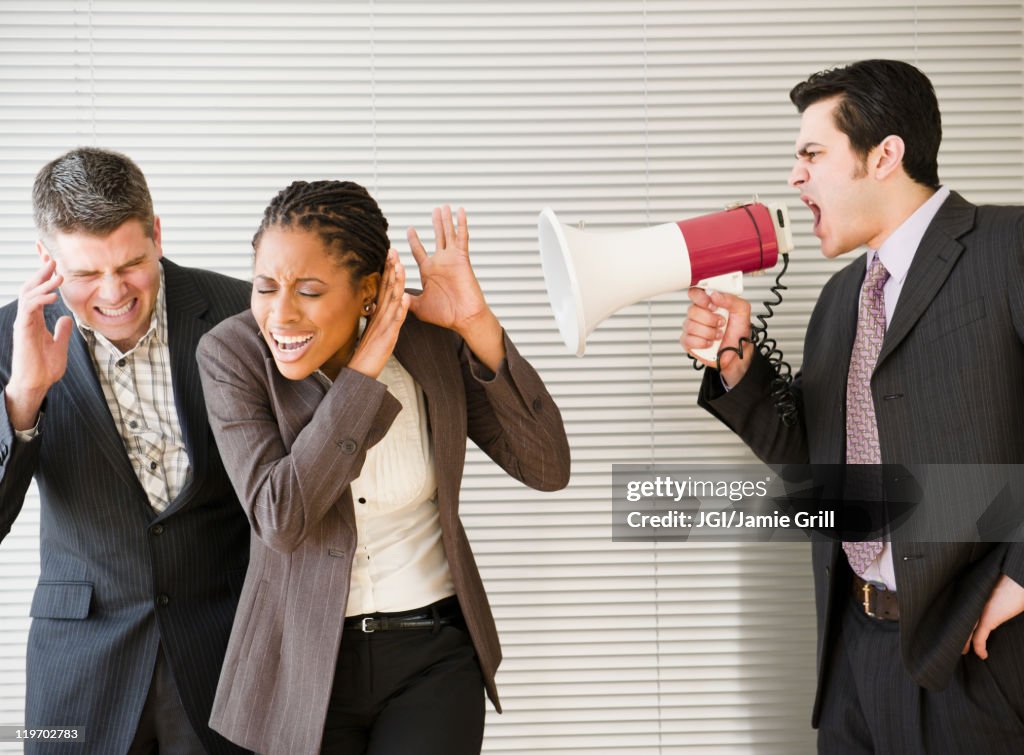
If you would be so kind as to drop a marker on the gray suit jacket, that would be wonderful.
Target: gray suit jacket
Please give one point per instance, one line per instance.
(948, 388)
(118, 579)
(291, 449)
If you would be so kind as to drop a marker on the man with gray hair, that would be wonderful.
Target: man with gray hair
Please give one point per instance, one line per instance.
(143, 543)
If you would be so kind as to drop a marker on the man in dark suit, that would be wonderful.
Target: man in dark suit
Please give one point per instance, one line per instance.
(143, 543)
(914, 355)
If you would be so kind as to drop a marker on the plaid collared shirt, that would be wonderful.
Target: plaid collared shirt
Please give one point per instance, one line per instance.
(140, 395)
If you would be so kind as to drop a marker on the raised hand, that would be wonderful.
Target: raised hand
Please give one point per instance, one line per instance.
(38, 358)
(385, 322)
(452, 297)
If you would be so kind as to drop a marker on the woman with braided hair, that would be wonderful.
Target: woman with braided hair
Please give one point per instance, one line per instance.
(341, 405)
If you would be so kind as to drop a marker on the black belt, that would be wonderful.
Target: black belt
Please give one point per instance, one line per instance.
(440, 614)
(876, 603)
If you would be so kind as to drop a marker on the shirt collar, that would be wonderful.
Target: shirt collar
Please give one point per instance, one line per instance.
(897, 251)
(157, 332)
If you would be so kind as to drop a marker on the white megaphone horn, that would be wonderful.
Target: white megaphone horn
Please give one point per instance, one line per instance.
(590, 276)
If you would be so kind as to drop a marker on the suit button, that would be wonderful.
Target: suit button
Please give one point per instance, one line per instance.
(828, 571)
(162, 600)
(537, 404)
(347, 446)
(158, 529)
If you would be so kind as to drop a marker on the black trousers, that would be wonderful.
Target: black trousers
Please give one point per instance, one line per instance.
(406, 691)
(164, 728)
(871, 705)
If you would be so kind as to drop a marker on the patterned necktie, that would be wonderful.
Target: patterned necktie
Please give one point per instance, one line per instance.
(861, 427)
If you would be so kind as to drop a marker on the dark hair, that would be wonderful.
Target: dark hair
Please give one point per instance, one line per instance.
(879, 98)
(90, 190)
(342, 213)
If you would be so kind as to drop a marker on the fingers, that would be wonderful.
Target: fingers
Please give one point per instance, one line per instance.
(384, 323)
(448, 232)
(38, 291)
(62, 332)
(396, 290)
(462, 234)
(736, 305)
(1004, 603)
(44, 281)
(448, 226)
(703, 324)
(391, 290)
(699, 297)
(42, 276)
(416, 246)
(435, 218)
(979, 639)
(967, 645)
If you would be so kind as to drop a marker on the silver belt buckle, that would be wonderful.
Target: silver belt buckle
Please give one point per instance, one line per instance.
(366, 629)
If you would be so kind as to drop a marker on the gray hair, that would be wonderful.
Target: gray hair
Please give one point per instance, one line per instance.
(90, 190)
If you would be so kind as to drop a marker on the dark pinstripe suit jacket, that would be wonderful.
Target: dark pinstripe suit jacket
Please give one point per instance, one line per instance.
(948, 388)
(291, 449)
(117, 579)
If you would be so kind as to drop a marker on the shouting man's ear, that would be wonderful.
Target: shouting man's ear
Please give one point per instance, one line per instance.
(887, 157)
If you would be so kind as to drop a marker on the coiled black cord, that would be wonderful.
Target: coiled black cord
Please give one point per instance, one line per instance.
(781, 385)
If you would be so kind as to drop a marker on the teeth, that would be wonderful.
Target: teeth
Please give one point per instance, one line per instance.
(290, 339)
(291, 343)
(116, 312)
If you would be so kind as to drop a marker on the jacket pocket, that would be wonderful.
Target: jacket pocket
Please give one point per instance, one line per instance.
(61, 600)
(941, 325)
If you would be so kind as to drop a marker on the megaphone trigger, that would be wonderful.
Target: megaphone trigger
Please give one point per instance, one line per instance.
(730, 283)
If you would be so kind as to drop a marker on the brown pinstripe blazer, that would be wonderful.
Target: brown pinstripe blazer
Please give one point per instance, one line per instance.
(291, 449)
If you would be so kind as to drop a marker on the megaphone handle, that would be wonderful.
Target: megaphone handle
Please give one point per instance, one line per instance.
(730, 283)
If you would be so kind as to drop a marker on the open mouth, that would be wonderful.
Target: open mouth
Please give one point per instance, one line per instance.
(815, 211)
(289, 345)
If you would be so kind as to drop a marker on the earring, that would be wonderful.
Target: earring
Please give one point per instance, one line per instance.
(366, 307)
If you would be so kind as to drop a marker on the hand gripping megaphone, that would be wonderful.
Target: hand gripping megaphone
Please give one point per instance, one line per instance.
(590, 276)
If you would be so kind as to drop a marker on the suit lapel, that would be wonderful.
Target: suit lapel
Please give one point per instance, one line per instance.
(294, 401)
(82, 387)
(934, 260)
(186, 306)
(440, 380)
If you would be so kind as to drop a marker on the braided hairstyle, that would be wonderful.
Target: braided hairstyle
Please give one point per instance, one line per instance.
(342, 213)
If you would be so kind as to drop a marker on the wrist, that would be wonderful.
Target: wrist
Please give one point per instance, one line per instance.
(371, 367)
(23, 405)
(486, 339)
(482, 325)
(737, 367)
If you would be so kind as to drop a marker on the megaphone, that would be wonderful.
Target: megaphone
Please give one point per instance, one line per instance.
(590, 276)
